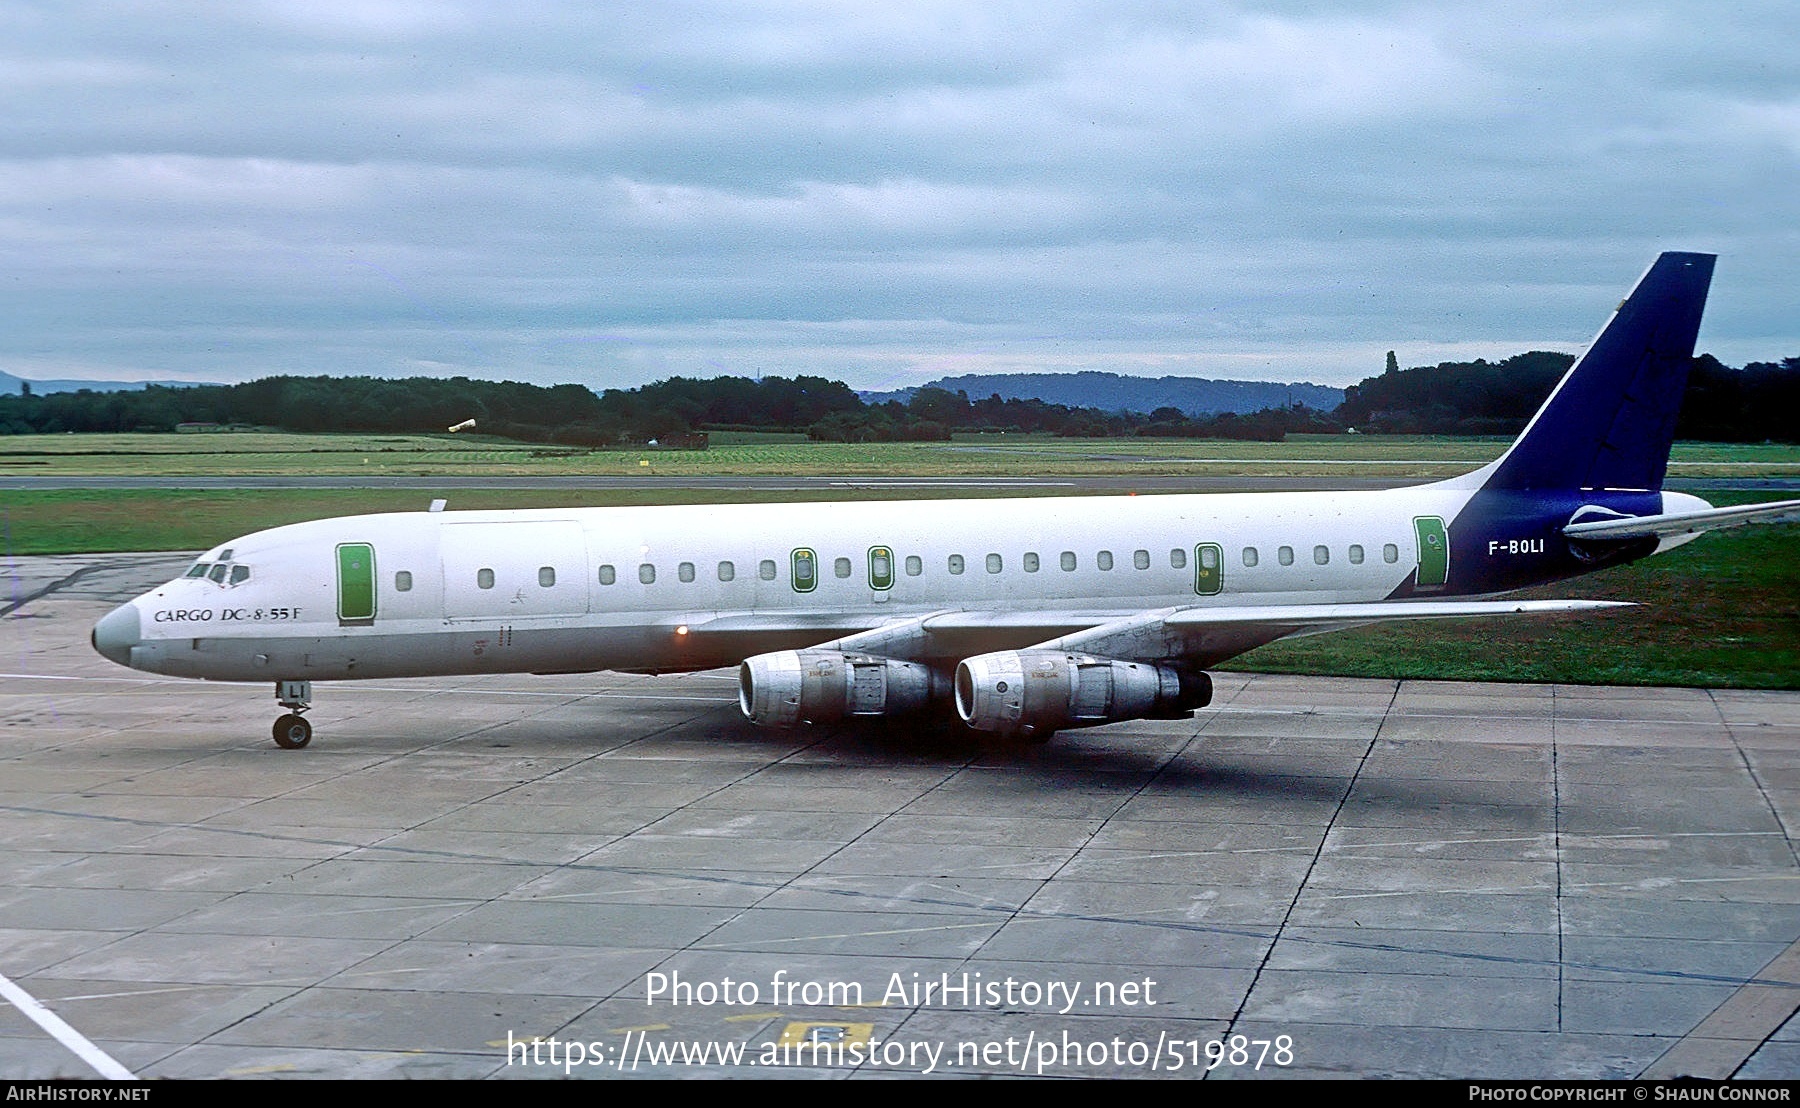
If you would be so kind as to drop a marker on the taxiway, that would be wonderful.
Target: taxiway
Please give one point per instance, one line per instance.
(1403, 879)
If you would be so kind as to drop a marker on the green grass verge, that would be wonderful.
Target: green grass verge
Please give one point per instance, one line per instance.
(110, 521)
(752, 453)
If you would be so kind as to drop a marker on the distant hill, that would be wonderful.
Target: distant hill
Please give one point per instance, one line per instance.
(1113, 392)
(11, 386)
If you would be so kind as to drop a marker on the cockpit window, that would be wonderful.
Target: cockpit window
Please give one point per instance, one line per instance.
(223, 572)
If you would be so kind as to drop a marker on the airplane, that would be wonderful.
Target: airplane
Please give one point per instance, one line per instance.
(1022, 616)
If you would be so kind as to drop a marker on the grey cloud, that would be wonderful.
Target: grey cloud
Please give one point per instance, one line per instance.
(611, 193)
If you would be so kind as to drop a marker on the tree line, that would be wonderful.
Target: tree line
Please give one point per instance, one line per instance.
(1757, 403)
(1752, 404)
(576, 416)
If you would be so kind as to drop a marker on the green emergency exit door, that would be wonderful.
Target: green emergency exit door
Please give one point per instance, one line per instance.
(1434, 552)
(356, 582)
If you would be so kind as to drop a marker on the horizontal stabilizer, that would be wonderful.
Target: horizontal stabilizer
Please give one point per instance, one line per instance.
(1684, 523)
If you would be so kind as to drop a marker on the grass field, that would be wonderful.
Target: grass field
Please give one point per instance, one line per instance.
(93, 521)
(1723, 611)
(749, 454)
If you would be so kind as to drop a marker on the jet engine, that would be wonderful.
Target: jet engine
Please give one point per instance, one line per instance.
(1036, 692)
(822, 686)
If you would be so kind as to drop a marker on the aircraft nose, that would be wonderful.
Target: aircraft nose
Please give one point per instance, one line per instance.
(117, 632)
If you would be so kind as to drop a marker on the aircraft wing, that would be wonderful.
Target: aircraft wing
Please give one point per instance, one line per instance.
(1685, 523)
(1199, 635)
(1205, 636)
(944, 637)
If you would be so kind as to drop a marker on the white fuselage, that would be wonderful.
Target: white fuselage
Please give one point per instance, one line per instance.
(619, 588)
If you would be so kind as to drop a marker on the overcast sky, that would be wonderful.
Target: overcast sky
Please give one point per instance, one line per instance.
(882, 193)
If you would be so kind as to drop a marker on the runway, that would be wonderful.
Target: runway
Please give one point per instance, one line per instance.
(471, 878)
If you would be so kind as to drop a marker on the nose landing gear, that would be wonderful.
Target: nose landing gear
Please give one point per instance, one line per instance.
(292, 731)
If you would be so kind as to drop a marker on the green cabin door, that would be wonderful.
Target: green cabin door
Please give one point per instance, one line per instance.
(1209, 569)
(356, 583)
(1434, 552)
(881, 573)
(805, 566)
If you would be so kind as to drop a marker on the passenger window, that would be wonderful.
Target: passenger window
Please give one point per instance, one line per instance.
(484, 578)
(685, 571)
(403, 581)
(647, 573)
(727, 571)
(1178, 558)
(1321, 555)
(915, 565)
(841, 567)
(1250, 557)
(806, 570)
(1285, 555)
(199, 570)
(546, 577)
(1031, 563)
(607, 575)
(1390, 553)
(1068, 561)
(1356, 555)
(765, 569)
(994, 563)
(956, 563)
(240, 574)
(1103, 560)
(1141, 559)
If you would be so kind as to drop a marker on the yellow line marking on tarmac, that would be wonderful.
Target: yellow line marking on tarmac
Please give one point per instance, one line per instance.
(822, 1033)
(851, 935)
(1301, 851)
(134, 992)
(1721, 1043)
(1648, 883)
(1584, 838)
(1482, 890)
(1666, 882)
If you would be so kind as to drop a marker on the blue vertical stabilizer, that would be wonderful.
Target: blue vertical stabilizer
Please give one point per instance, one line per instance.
(1610, 420)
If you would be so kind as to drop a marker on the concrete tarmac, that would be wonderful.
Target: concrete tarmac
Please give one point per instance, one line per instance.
(616, 876)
